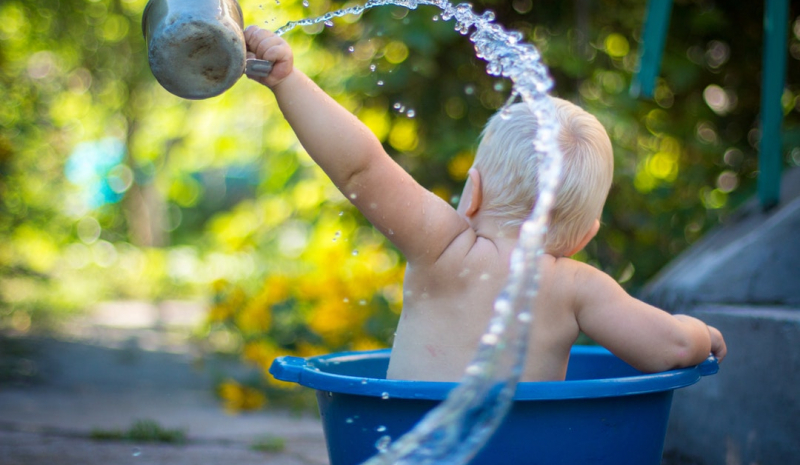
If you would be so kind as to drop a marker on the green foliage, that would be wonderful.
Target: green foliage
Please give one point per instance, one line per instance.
(141, 431)
(269, 444)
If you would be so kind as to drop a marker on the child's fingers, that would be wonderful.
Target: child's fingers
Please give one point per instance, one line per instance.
(718, 346)
(259, 40)
(265, 45)
(251, 33)
(273, 51)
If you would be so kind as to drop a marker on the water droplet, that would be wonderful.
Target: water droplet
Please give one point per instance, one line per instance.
(136, 452)
(397, 105)
(336, 235)
(474, 369)
(329, 23)
(498, 86)
(341, 213)
(385, 395)
(362, 302)
(383, 443)
(277, 2)
(380, 83)
(435, 18)
(469, 90)
(524, 317)
(355, 253)
(305, 3)
(353, 196)
(489, 339)
(373, 67)
(346, 300)
(380, 429)
(391, 232)
(349, 420)
(502, 306)
(411, 113)
(363, 380)
(351, 49)
(330, 394)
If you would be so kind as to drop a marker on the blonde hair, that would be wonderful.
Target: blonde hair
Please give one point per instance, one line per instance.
(509, 169)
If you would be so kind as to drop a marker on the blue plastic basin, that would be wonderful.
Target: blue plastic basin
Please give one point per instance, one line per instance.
(606, 412)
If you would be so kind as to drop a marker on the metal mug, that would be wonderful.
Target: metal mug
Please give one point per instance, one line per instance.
(196, 48)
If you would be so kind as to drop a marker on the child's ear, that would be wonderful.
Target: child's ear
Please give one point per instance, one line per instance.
(475, 194)
(588, 237)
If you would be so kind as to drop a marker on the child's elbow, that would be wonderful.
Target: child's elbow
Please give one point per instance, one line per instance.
(689, 352)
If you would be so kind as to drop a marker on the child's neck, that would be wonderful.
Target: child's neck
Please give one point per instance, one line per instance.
(492, 227)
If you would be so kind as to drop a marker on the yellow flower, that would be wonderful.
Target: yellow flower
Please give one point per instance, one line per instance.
(219, 312)
(367, 343)
(219, 285)
(277, 288)
(236, 397)
(256, 316)
(260, 353)
(335, 320)
(305, 349)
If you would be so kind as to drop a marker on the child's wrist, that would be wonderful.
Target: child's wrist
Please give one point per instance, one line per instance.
(292, 74)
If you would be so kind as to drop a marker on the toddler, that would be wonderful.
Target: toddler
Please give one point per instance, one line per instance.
(458, 258)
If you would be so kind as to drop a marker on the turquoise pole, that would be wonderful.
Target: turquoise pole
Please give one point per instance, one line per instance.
(652, 47)
(776, 14)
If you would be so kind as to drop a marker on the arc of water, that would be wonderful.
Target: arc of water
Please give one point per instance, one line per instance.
(456, 430)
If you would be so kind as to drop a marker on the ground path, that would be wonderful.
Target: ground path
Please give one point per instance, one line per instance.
(124, 364)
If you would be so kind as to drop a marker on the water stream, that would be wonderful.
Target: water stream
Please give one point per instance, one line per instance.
(456, 430)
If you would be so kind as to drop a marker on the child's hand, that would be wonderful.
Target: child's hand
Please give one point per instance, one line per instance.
(265, 45)
(718, 347)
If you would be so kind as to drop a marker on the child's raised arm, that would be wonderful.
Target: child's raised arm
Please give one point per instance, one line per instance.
(646, 337)
(419, 223)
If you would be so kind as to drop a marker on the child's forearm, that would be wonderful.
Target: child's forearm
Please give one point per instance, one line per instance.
(336, 140)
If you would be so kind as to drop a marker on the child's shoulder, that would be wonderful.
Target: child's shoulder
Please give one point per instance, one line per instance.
(569, 273)
(578, 283)
(469, 257)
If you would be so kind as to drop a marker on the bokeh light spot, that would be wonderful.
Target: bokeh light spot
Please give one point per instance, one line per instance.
(377, 120)
(396, 52)
(616, 45)
(403, 135)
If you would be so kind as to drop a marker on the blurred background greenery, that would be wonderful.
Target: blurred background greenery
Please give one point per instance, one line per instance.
(113, 189)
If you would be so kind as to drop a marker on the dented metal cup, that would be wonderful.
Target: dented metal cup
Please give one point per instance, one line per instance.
(196, 48)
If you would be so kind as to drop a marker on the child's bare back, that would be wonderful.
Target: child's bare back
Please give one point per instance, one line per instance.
(447, 309)
(447, 306)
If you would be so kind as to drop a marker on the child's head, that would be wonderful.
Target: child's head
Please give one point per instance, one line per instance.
(509, 171)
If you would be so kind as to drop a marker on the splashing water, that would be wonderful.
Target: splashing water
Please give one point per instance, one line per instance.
(456, 430)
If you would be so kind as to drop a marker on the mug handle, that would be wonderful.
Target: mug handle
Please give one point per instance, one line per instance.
(257, 68)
